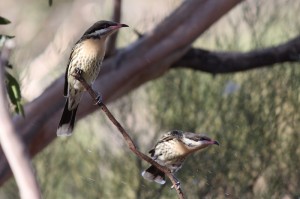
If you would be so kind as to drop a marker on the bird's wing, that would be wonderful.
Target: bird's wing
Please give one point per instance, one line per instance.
(166, 137)
(66, 81)
(175, 134)
(67, 69)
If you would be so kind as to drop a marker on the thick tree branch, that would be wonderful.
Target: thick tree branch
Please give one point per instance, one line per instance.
(228, 62)
(144, 60)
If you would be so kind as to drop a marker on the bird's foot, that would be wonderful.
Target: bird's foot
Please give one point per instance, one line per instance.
(78, 74)
(99, 99)
(78, 71)
(176, 186)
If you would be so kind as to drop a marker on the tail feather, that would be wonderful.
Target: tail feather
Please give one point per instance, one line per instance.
(66, 124)
(154, 174)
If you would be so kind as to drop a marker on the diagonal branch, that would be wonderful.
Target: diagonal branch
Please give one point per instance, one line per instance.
(126, 136)
(228, 62)
(146, 59)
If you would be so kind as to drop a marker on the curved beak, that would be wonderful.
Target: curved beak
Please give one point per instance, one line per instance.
(216, 143)
(115, 27)
(124, 25)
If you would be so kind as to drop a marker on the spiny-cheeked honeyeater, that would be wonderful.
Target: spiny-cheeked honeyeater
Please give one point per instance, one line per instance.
(87, 56)
(172, 149)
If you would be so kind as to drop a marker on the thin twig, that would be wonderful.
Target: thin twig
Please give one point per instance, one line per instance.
(127, 138)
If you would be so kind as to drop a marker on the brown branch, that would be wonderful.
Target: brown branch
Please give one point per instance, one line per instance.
(146, 59)
(111, 45)
(127, 138)
(228, 62)
(13, 147)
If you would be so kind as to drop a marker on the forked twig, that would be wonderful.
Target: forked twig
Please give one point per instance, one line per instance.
(128, 140)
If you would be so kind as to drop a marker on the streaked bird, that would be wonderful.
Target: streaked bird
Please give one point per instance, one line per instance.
(172, 149)
(87, 56)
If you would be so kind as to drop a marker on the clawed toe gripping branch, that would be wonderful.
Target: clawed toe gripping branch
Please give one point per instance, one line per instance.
(98, 99)
(177, 183)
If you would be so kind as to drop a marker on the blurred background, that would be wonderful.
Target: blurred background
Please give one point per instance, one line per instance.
(254, 114)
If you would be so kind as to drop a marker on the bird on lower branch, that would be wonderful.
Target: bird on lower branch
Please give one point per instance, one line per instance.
(172, 149)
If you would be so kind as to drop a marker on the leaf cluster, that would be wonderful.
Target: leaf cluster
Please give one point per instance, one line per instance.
(12, 85)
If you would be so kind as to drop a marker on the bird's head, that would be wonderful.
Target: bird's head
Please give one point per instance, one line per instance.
(102, 29)
(194, 141)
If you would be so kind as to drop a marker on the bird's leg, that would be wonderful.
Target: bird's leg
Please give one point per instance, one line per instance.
(177, 183)
(99, 99)
(78, 72)
(78, 75)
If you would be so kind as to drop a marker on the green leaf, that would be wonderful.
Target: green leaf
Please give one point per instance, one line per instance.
(4, 21)
(6, 37)
(8, 65)
(3, 38)
(14, 93)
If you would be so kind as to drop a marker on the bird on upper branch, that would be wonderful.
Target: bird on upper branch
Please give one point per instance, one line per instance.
(171, 150)
(87, 56)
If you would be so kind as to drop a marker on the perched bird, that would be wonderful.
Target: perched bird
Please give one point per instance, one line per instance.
(172, 149)
(87, 56)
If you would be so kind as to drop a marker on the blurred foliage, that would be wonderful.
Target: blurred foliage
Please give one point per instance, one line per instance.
(12, 85)
(14, 93)
(4, 21)
(254, 115)
(257, 124)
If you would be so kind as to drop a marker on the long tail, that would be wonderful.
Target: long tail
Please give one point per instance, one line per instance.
(154, 174)
(66, 124)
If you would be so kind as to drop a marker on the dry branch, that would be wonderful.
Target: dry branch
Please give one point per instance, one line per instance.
(126, 136)
(146, 59)
(228, 62)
